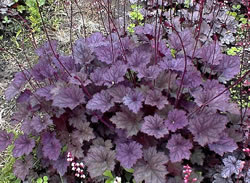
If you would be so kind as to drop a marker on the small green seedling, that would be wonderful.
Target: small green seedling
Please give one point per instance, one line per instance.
(42, 180)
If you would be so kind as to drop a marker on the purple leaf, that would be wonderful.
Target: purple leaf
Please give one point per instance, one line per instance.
(138, 59)
(134, 100)
(166, 80)
(96, 39)
(210, 53)
(85, 133)
(114, 74)
(39, 124)
(71, 97)
(228, 67)
(154, 125)
(151, 168)
(207, 127)
(98, 160)
(179, 148)
(155, 98)
(192, 79)
(128, 120)
(97, 76)
(27, 128)
(23, 145)
(82, 53)
(118, 92)
(24, 96)
(45, 92)
(76, 150)
(211, 89)
(51, 146)
(82, 76)
(128, 153)
(5, 139)
(19, 80)
(66, 62)
(174, 64)
(101, 101)
(150, 72)
(46, 48)
(61, 164)
(231, 166)
(21, 167)
(223, 145)
(186, 39)
(107, 53)
(177, 119)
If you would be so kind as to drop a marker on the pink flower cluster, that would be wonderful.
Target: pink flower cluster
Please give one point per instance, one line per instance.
(187, 172)
(76, 166)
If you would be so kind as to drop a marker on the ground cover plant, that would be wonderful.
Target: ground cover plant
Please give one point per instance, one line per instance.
(143, 103)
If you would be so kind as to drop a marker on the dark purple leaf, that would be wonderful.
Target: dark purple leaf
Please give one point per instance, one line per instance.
(98, 160)
(211, 89)
(61, 164)
(155, 98)
(5, 139)
(85, 133)
(138, 59)
(228, 67)
(152, 168)
(39, 124)
(128, 120)
(14, 88)
(108, 53)
(82, 76)
(21, 167)
(114, 74)
(45, 92)
(207, 127)
(179, 148)
(118, 92)
(210, 53)
(24, 96)
(82, 53)
(223, 145)
(154, 125)
(150, 72)
(128, 153)
(23, 145)
(134, 100)
(186, 39)
(177, 119)
(101, 101)
(46, 48)
(97, 76)
(51, 146)
(70, 96)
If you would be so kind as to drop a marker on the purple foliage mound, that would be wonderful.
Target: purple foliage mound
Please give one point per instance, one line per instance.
(150, 102)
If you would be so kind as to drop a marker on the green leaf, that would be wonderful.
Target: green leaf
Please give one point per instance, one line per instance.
(41, 2)
(20, 8)
(39, 180)
(108, 173)
(110, 181)
(45, 179)
(130, 170)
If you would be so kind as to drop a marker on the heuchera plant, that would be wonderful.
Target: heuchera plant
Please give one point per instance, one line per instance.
(120, 102)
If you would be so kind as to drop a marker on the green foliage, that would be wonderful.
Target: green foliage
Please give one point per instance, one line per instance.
(6, 173)
(173, 52)
(33, 11)
(136, 17)
(42, 180)
(233, 51)
(109, 175)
